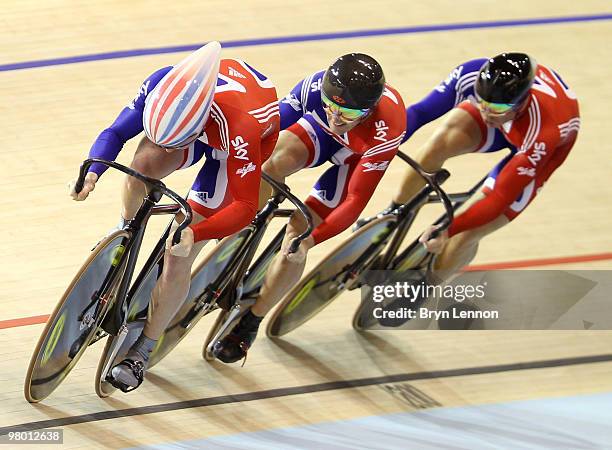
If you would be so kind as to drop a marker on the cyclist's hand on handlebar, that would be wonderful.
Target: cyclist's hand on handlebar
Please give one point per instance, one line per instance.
(300, 255)
(434, 245)
(183, 248)
(88, 186)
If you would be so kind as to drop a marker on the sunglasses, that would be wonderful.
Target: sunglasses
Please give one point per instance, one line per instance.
(348, 114)
(497, 109)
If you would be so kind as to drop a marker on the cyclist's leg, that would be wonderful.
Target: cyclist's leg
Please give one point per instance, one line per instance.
(280, 277)
(173, 283)
(154, 161)
(207, 195)
(302, 145)
(328, 192)
(283, 274)
(296, 148)
(461, 249)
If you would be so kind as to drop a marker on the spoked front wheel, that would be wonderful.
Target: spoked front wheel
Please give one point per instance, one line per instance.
(325, 282)
(73, 324)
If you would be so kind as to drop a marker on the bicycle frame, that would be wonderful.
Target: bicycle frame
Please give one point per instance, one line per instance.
(115, 318)
(230, 280)
(388, 259)
(391, 259)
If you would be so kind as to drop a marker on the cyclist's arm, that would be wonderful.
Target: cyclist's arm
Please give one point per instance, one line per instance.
(459, 133)
(521, 170)
(127, 125)
(295, 104)
(363, 182)
(450, 92)
(243, 177)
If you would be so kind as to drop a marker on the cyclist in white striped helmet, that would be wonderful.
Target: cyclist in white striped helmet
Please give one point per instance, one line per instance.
(221, 108)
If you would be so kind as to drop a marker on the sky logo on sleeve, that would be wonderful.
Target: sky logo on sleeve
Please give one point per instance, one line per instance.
(144, 89)
(371, 166)
(250, 167)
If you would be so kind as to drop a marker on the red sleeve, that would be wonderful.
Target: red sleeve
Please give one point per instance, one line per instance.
(243, 177)
(362, 183)
(522, 168)
(473, 111)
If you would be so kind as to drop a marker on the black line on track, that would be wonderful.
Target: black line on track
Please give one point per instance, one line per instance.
(296, 390)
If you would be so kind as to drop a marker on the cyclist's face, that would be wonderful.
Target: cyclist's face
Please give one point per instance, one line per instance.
(341, 120)
(496, 114)
(496, 120)
(173, 149)
(340, 125)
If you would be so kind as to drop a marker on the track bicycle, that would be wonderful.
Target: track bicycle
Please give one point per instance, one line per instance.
(373, 246)
(225, 280)
(95, 302)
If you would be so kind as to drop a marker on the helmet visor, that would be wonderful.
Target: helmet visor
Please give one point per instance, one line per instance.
(348, 114)
(495, 108)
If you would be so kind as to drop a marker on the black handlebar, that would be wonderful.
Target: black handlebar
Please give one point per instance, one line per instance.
(434, 180)
(284, 190)
(152, 183)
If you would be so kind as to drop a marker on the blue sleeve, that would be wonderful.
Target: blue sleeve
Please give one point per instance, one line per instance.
(457, 87)
(304, 97)
(127, 125)
(291, 107)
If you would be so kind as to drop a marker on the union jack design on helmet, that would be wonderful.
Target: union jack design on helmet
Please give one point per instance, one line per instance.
(176, 110)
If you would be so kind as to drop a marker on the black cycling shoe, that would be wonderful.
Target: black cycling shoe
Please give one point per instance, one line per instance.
(127, 375)
(236, 344)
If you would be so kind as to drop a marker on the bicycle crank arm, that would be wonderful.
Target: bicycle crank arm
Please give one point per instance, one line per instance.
(233, 315)
(123, 331)
(198, 309)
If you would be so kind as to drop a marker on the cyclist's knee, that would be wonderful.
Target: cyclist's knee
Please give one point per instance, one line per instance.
(176, 270)
(153, 161)
(144, 158)
(466, 239)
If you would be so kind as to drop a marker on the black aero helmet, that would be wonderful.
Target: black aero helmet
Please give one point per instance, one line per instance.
(505, 78)
(354, 81)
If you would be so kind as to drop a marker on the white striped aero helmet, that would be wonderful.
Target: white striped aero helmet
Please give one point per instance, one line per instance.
(177, 108)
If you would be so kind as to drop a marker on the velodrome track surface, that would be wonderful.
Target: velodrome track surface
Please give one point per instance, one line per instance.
(68, 69)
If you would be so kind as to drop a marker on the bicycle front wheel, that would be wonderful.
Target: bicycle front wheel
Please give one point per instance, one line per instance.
(322, 285)
(72, 325)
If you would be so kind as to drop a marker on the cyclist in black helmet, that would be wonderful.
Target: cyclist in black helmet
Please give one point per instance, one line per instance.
(348, 116)
(352, 85)
(502, 86)
(508, 101)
